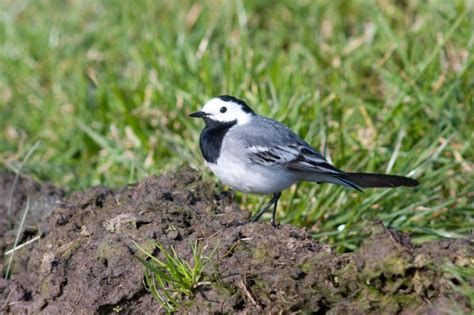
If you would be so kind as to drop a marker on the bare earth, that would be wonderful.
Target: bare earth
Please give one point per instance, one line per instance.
(84, 261)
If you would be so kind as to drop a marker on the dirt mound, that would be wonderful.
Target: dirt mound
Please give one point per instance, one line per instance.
(85, 257)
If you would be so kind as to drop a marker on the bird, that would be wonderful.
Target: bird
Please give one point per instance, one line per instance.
(254, 154)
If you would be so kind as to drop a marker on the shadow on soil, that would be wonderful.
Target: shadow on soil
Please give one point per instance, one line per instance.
(84, 260)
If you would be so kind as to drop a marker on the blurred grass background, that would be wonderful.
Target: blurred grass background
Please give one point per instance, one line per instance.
(378, 86)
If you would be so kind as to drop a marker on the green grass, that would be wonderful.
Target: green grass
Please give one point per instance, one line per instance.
(461, 280)
(170, 279)
(379, 86)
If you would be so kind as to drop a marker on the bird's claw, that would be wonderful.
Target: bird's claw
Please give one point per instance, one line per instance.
(236, 223)
(241, 223)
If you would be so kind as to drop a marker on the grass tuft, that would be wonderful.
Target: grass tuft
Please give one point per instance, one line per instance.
(173, 278)
(462, 280)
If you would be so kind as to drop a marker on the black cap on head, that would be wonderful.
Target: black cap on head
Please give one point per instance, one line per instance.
(229, 98)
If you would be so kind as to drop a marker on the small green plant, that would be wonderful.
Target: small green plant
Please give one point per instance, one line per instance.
(170, 279)
(463, 277)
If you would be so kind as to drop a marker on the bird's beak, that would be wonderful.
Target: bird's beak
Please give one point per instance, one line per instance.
(199, 114)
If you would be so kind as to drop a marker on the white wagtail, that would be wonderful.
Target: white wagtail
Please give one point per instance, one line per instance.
(254, 154)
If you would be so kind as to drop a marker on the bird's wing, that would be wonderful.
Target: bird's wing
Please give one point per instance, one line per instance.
(271, 143)
(296, 157)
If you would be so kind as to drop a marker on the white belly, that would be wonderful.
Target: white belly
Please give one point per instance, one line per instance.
(251, 178)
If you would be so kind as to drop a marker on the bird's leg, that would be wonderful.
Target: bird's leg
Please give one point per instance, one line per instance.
(256, 216)
(276, 197)
(273, 201)
(261, 211)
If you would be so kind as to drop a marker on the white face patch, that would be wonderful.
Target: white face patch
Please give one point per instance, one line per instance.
(222, 111)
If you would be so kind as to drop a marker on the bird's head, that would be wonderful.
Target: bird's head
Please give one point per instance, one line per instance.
(225, 109)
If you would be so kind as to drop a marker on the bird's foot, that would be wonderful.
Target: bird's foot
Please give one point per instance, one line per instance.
(236, 223)
(253, 219)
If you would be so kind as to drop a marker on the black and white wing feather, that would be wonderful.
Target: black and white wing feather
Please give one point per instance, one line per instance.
(296, 157)
(299, 158)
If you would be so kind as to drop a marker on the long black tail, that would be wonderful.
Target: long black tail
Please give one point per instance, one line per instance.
(367, 180)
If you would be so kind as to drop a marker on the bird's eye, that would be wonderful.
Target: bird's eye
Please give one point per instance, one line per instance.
(223, 109)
